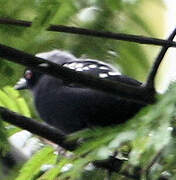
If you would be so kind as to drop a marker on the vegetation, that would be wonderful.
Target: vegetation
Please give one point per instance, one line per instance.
(146, 143)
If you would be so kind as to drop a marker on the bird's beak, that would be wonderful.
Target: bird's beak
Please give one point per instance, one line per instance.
(21, 84)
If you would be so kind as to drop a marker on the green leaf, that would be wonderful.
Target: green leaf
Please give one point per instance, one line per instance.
(12, 100)
(55, 171)
(19, 101)
(31, 169)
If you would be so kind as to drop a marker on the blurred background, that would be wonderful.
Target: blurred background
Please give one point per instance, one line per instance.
(138, 17)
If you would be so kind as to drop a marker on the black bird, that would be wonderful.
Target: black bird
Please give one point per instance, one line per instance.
(70, 107)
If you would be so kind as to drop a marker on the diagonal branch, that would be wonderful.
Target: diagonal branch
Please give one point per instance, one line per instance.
(37, 128)
(159, 58)
(54, 135)
(137, 94)
(94, 33)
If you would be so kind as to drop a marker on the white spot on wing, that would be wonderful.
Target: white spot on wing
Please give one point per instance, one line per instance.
(79, 65)
(114, 73)
(79, 69)
(66, 65)
(85, 68)
(92, 66)
(103, 75)
(103, 68)
(72, 65)
(43, 65)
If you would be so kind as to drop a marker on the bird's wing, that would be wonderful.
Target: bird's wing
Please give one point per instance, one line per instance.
(101, 70)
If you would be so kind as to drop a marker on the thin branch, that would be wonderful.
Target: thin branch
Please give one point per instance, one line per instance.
(134, 93)
(155, 67)
(113, 164)
(37, 128)
(88, 32)
(146, 171)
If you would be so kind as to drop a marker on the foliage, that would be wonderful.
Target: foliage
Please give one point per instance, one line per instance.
(100, 15)
(148, 134)
(11, 99)
(33, 167)
(147, 140)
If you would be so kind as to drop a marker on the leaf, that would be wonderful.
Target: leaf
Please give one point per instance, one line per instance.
(34, 165)
(12, 100)
(55, 171)
(18, 100)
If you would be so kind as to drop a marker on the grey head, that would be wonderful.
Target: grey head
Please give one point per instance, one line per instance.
(31, 77)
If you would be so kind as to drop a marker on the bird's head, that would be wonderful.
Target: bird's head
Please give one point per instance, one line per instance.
(29, 80)
(31, 77)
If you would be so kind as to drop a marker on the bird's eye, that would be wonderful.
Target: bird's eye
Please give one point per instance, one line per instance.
(28, 74)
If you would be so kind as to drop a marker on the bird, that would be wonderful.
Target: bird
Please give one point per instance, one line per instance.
(71, 107)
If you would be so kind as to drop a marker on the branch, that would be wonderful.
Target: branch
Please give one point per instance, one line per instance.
(88, 32)
(138, 94)
(155, 67)
(40, 129)
(48, 132)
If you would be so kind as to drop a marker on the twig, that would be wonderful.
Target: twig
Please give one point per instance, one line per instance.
(134, 93)
(113, 164)
(148, 168)
(94, 33)
(152, 74)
